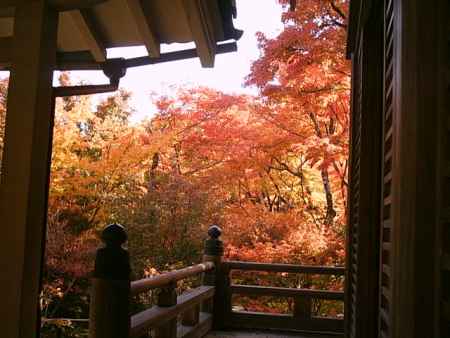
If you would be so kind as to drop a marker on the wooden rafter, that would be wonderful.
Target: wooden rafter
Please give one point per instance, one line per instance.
(144, 27)
(197, 13)
(84, 21)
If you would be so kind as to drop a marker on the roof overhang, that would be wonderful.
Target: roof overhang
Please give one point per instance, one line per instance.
(87, 28)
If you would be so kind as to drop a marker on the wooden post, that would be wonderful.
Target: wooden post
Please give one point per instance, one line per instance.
(25, 166)
(303, 304)
(109, 312)
(219, 305)
(167, 297)
(302, 308)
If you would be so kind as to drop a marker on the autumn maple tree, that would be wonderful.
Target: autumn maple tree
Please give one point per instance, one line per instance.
(305, 80)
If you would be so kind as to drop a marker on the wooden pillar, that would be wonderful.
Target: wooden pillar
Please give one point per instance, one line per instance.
(110, 296)
(25, 167)
(421, 36)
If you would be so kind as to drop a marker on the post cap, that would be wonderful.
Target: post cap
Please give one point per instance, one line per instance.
(214, 231)
(114, 234)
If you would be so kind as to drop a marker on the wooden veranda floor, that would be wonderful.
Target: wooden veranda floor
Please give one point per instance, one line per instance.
(262, 334)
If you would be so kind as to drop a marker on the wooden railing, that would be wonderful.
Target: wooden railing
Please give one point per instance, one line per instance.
(198, 311)
(302, 318)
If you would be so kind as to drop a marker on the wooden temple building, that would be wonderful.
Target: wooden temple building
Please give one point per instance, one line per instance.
(398, 260)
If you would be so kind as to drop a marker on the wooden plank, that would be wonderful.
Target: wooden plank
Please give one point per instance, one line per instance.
(150, 318)
(145, 27)
(87, 26)
(294, 268)
(257, 320)
(197, 13)
(286, 292)
(158, 281)
(199, 330)
(26, 166)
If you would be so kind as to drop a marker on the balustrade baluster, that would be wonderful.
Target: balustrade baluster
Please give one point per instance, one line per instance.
(302, 307)
(167, 297)
(192, 316)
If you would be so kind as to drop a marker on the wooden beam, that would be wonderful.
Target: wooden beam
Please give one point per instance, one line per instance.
(197, 13)
(26, 166)
(83, 60)
(58, 5)
(5, 52)
(87, 26)
(144, 27)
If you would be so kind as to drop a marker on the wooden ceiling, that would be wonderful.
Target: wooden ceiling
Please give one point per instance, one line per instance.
(88, 27)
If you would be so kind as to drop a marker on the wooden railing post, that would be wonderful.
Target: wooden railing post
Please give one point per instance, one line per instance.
(302, 307)
(218, 278)
(303, 304)
(167, 297)
(109, 310)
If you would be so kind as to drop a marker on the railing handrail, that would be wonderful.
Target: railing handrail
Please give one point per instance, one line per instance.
(157, 316)
(146, 284)
(286, 292)
(281, 267)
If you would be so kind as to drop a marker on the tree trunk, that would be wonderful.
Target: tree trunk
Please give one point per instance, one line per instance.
(330, 212)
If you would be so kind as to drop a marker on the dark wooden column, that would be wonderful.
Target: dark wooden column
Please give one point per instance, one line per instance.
(25, 167)
(419, 57)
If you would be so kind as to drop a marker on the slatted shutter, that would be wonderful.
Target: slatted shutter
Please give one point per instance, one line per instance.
(353, 201)
(385, 288)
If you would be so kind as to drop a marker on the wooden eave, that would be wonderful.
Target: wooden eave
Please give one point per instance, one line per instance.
(87, 28)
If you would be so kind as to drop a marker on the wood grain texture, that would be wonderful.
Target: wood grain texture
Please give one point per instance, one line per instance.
(26, 166)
